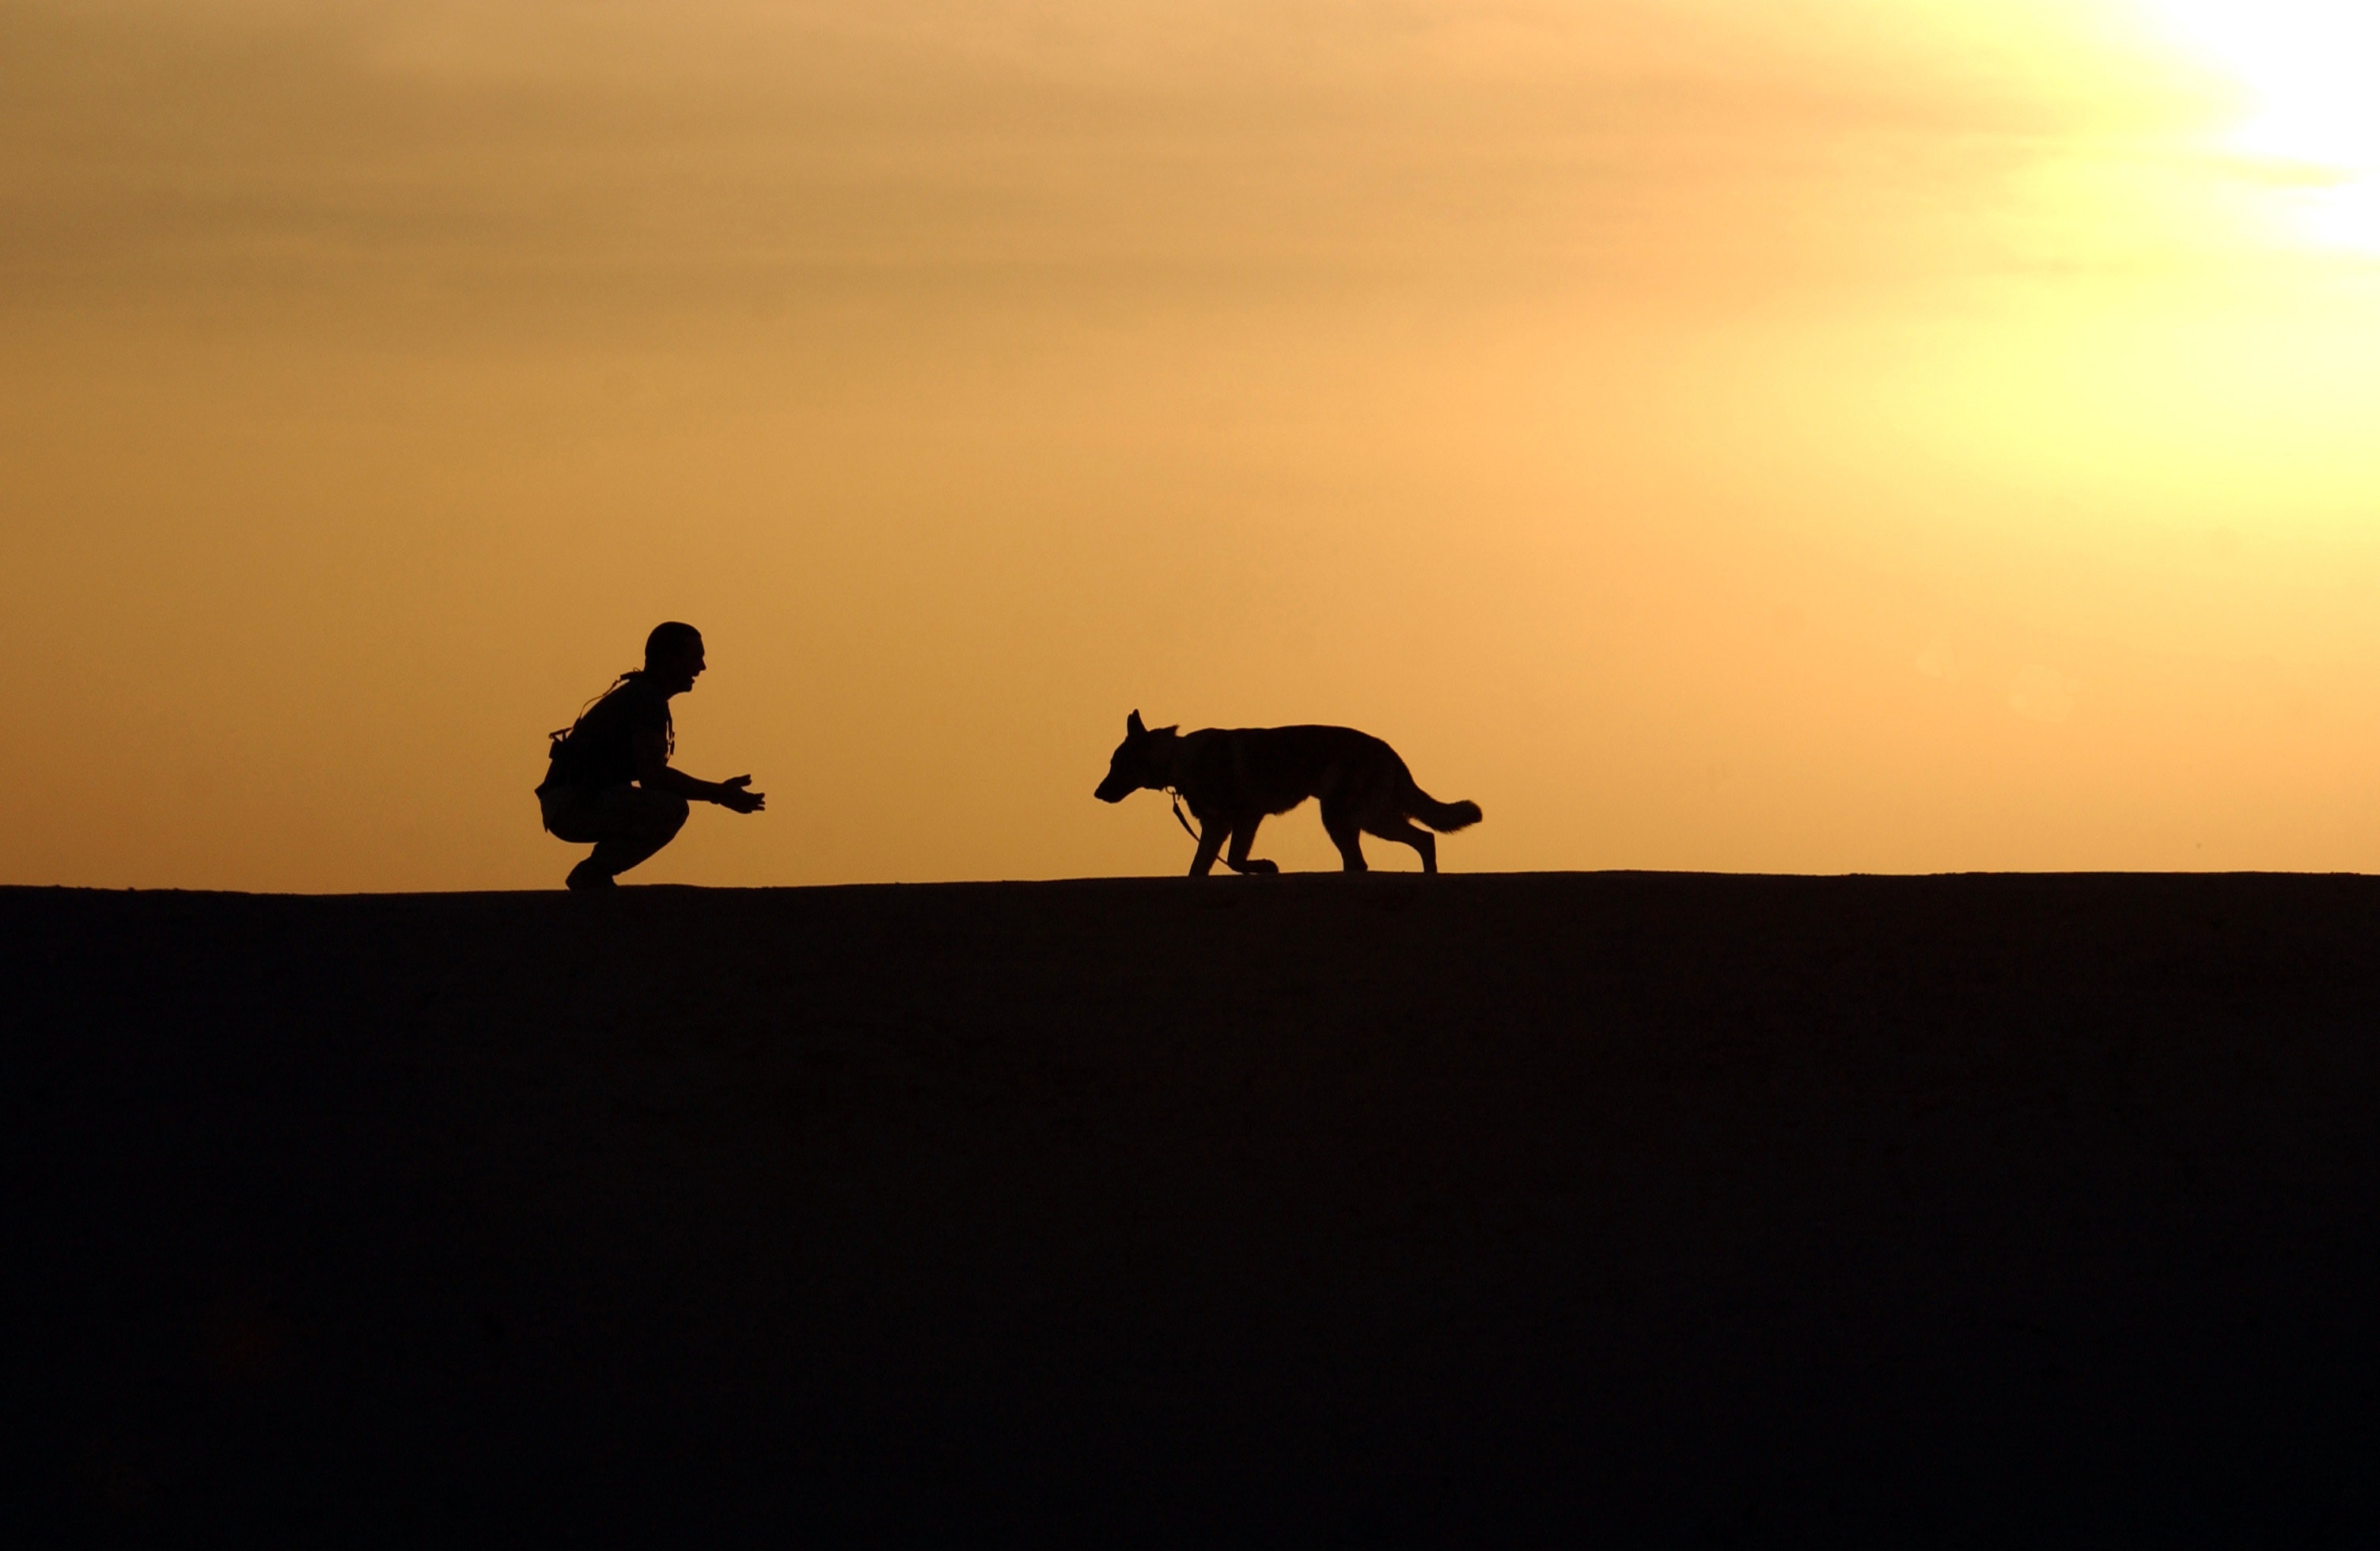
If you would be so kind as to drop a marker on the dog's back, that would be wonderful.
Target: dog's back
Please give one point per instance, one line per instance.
(1261, 771)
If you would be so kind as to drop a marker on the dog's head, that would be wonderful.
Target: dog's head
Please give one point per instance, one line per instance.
(1144, 758)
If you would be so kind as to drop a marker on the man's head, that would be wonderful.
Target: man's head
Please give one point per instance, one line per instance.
(1144, 758)
(673, 657)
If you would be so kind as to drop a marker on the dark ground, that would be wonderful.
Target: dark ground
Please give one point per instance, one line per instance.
(1638, 1208)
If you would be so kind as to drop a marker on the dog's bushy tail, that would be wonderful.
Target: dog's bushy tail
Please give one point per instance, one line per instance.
(1445, 818)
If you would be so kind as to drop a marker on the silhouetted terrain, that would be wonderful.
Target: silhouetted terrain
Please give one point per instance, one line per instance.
(1985, 1210)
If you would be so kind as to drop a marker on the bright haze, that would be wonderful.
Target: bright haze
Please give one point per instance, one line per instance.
(1866, 435)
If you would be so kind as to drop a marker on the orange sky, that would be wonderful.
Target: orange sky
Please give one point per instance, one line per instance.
(1858, 435)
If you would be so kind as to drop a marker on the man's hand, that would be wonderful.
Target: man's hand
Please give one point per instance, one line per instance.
(734, 795)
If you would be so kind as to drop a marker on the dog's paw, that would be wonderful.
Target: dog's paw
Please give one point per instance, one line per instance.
(1259, 866)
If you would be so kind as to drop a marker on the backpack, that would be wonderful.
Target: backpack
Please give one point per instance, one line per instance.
(562, 761)
(565, 757)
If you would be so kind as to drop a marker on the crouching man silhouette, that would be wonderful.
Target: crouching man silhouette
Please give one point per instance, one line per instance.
(609, 783)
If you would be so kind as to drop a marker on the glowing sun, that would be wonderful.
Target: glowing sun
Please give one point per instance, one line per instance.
(2308, 65)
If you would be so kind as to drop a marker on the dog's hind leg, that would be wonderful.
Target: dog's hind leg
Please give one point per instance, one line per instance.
(1244, 834)
(1405, 833)
(1347, 834)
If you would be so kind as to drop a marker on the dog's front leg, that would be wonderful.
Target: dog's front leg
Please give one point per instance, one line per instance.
(1210, 842)
(1236, 857)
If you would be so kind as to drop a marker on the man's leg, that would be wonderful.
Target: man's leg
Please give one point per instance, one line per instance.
(628, 825)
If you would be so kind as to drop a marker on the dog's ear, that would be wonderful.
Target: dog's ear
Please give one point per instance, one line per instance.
(1133, 726)
(1169, 732)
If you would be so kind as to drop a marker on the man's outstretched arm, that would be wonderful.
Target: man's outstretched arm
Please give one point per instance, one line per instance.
(654, 774)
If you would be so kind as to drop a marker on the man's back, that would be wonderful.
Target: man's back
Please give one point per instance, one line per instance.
(602, 748)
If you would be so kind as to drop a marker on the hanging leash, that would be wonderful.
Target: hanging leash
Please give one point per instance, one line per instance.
(1179, 818)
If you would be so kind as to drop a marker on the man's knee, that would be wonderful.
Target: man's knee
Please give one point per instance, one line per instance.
(628, 813)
